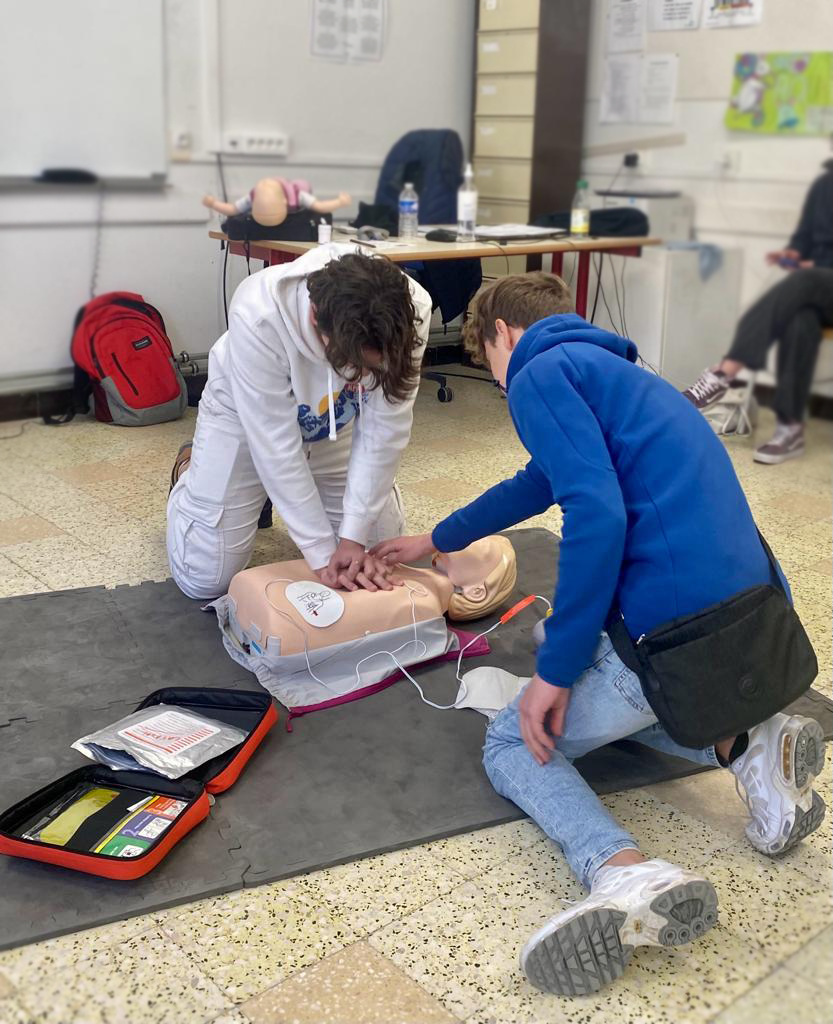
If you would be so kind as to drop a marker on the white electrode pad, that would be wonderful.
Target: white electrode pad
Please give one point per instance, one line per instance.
(315, 602)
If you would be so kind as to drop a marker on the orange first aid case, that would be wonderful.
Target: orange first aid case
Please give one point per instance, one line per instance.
(250, 710)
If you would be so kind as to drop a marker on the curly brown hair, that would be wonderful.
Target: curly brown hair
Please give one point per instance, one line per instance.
(363, 305)
(519, 299)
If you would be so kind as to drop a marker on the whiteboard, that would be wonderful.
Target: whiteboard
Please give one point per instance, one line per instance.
(82, 86)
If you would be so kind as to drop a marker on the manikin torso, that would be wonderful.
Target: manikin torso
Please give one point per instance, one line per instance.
(464, 584)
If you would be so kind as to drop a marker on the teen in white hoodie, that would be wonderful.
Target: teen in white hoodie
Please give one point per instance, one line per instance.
(277, 419)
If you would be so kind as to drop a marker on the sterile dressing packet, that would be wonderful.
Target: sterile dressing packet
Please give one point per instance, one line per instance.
(165, 739)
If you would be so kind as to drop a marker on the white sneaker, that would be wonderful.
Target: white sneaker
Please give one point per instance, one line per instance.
(785, 754)
(649, 904)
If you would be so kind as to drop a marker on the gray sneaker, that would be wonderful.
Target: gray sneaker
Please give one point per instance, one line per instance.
(709, 388)
(786, 443)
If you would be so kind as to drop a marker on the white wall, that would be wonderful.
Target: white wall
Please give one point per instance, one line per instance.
(230, 65)
(757, 207)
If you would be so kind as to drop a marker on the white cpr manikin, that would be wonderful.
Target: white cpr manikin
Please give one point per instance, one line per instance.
(308, 644)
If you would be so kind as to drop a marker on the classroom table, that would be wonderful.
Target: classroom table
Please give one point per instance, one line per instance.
(420, 250)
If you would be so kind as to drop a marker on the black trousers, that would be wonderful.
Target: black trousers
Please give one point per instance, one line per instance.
(793, 313)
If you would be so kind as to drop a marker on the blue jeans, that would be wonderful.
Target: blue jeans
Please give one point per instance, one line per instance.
(606, 704)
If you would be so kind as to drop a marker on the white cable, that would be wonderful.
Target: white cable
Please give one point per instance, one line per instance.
(291, 621)
(462, 696)
(412, 589)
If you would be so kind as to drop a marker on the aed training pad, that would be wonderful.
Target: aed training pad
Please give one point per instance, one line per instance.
(383, 773)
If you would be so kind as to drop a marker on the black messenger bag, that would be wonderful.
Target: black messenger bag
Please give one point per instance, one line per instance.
(715, 674)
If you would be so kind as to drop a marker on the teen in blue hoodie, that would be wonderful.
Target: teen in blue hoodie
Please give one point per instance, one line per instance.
(656, 526)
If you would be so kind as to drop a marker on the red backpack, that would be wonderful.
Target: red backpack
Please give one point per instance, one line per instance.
(122, 353)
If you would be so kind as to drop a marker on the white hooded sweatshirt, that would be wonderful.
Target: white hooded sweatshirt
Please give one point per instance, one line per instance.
(286, 393)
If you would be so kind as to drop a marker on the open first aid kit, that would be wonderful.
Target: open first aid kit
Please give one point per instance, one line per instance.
(120, 823)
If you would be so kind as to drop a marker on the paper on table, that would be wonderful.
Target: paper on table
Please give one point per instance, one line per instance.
(510, 231)
(659, 88)
(620, 90)
(626, 26)
(673, 15)
(733, 13)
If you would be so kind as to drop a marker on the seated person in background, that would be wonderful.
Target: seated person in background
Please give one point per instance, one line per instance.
(655, 526)
(309, 402)
(793, 313)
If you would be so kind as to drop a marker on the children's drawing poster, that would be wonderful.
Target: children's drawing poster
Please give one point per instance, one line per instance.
(782, 93)
(733, 13)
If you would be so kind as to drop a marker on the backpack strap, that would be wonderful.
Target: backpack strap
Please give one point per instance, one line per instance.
(78, 400)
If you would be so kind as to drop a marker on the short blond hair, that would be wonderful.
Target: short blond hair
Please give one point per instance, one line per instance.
(519, 299)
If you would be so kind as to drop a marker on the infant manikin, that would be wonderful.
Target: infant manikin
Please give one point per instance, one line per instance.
(308, 644)
(272, 199)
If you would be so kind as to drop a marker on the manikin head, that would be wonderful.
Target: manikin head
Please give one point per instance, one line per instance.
(503, 311)
(483, 574)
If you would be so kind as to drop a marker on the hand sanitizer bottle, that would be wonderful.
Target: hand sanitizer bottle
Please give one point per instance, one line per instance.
(580, 214)
(466, 207)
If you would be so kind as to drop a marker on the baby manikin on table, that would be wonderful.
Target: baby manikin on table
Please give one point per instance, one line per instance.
(308, 644)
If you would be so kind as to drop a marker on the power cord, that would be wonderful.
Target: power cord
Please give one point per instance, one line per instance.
(624, 298)
(225, 245)
(598, 269)
(21, 430)
(99, 225)
(623, 332)
(615, 177)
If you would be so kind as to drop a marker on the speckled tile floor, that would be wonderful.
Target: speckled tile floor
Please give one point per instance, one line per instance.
(431, 934)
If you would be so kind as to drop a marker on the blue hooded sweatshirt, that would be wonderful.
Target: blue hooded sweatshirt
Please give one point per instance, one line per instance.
(655, 520)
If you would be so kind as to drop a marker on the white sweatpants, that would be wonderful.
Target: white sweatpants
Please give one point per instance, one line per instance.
(215, 505)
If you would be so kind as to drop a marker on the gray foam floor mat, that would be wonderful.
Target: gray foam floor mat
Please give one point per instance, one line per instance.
(383, 773)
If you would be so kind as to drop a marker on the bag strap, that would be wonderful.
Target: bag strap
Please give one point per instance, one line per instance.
(622, 643)
(768, 551)
(773, 563)
(78, 400)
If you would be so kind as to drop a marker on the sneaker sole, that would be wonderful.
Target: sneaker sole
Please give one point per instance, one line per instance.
(776, 460)
(804, 753)
(805, 823)
(587, 952)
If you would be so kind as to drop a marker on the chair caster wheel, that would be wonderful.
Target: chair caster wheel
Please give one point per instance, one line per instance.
(445, 395)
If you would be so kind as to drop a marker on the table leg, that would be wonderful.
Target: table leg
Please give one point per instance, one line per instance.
(277, 257)
(582, 282)
(558, 263)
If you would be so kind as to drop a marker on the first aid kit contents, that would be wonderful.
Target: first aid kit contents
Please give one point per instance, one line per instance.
(120, 822)
(115, 822)
(170, 741)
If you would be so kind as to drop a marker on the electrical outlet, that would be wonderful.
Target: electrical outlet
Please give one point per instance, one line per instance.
(274, 144)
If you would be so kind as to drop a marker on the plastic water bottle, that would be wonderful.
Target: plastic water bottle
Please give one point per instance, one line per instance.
(580, 214)
(408, 211)
(466, 207)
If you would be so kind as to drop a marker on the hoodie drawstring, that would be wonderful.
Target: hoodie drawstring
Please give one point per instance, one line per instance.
(331, 404)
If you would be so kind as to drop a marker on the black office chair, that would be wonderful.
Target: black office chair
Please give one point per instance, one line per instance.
(432, 158)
